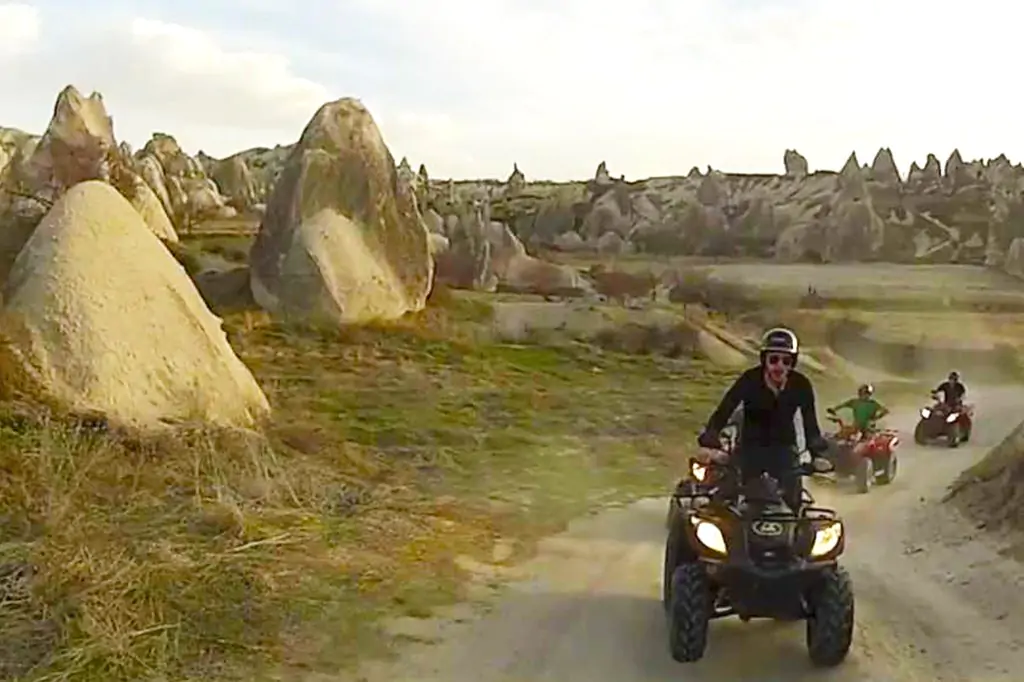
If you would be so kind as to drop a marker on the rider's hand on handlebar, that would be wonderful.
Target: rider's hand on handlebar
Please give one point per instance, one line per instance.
(710, 440)
(712, 456)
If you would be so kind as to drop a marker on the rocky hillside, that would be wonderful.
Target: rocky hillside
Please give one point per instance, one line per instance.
(966, 212)
(963, 212)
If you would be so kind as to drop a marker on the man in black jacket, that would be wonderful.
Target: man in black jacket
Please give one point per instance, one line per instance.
(770, 395)
(952, 391)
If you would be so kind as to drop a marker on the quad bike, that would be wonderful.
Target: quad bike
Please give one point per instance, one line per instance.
(740, 550)
(867, 457)
(943, 421)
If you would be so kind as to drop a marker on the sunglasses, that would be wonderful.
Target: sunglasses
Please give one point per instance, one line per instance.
(779, 359)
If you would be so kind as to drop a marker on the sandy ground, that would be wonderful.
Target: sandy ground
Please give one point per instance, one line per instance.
(935, 600)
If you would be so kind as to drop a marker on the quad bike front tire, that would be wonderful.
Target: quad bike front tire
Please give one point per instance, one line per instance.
(955, 435)
(920, 437)
(689, 612)
(830, 624)
(889, 468)
(670, 562)
(864, 474)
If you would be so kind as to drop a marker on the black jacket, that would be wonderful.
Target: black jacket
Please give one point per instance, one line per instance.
(767, 417)
(951, 393)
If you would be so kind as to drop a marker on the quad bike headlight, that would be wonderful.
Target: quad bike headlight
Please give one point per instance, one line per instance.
(699, 471)
(826, 539)
(925, 413)
(952, 418)
(709, 535)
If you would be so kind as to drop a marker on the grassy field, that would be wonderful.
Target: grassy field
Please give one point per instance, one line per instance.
(394, 453)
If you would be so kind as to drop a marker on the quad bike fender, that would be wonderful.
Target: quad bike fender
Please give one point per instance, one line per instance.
(678, 548)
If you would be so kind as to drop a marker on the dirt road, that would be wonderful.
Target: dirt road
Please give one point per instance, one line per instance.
(934, 602)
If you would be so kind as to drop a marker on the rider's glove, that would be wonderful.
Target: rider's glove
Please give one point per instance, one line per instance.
(710, 440)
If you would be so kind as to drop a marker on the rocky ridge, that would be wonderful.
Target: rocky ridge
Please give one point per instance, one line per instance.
(957, 211)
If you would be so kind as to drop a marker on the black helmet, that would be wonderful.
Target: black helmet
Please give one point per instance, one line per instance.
(866, 389)
(954, 375)
(780, 340)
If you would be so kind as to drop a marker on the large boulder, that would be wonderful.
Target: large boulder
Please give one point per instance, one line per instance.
(339, 240)
(99, 317)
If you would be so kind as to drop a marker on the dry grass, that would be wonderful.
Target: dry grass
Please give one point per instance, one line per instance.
(394, 451)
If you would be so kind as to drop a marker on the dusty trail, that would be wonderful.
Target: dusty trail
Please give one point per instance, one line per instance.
(933, 603)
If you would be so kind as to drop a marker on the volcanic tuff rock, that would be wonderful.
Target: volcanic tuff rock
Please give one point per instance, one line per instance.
(485, 255)
(341, 238)
(78, 145)
(99, 317)
(187, 194)
(235, 182)
(795, 163)
(958, 211)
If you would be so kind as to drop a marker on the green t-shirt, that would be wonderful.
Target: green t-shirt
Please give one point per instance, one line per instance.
(865, 410)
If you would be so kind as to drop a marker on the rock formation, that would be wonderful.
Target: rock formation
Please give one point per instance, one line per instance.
(78, 145)
(235, 183)
(339, 239)
(99, 317)
(795, 163)
(179, 181)
(883, 168)
(516, 181)
(486, 254)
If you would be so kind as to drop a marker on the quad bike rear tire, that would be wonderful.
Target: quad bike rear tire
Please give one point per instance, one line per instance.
(689, 613)
(889, 468)
(830, 624)
(864, 474)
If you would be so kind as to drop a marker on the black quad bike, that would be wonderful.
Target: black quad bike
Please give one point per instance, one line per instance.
(739, 550)
(941, 421)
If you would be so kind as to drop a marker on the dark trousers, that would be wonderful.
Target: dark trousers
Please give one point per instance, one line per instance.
(779, 463)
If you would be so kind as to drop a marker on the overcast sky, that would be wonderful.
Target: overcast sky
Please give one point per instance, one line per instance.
(653, 87)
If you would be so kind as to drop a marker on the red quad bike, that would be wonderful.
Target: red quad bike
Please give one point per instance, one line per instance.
(867, 458)
(943, 421)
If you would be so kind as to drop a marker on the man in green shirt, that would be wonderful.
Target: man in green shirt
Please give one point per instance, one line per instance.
(866, 410)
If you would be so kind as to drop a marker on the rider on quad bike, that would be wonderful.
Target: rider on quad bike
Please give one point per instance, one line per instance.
(770, 394)
(952, 391)
(866, 410)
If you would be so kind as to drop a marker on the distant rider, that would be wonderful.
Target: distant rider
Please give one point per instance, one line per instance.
(770, 395)
(952, 391)
(866, 410)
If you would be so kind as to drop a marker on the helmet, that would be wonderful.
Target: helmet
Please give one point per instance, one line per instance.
(865, 390)
(779, 340)
(954, 376)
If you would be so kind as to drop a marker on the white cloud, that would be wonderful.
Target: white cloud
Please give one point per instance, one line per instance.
(651, 86)
(161, 76)
(19, 27)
